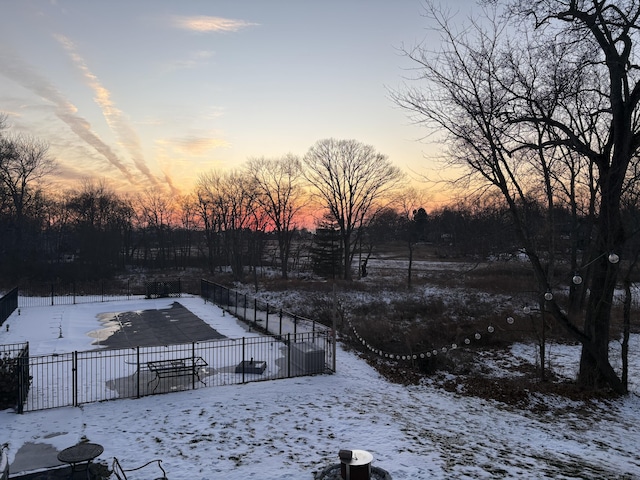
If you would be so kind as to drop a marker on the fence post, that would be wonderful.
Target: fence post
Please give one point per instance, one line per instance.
(74, 376)
(280, 330)
(23, 377)
(236, 302)
(295, 324)
(244, 315)
(288, 355)
(73, 286)
(255, 311)
(266, 326)
(193, 359)
(243, 357)
(52, 294)
(138, 371)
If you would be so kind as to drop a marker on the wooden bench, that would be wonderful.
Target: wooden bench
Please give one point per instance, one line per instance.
(176, 367)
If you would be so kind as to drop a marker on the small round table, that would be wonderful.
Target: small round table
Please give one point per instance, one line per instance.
(81, 453)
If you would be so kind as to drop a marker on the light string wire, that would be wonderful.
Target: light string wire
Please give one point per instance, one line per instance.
(426, 354)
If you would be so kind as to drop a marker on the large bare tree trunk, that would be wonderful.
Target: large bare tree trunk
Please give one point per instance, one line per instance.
(515, 108)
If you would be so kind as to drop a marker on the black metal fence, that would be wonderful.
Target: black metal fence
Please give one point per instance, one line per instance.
(163, 289)
(40, 295)
(71, 379)
(8, 303)
(293, 346)
(257, 313)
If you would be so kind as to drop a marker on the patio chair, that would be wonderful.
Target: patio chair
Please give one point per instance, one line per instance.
(121, 473)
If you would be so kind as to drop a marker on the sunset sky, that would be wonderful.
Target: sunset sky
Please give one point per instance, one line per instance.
(151, 93)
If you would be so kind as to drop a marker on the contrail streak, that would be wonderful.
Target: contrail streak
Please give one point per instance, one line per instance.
(114, 117)
(15, 69)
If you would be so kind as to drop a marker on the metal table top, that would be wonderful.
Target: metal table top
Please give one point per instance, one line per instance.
(82, 452)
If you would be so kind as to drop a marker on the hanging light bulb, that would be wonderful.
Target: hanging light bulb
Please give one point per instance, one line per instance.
(613, 258)
(527, 310)
(548, 296)
(577, 279)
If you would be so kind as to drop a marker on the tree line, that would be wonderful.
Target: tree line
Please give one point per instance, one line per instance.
(228, 221)
(240, 220)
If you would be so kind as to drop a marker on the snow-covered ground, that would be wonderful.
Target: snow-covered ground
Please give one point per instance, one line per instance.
(290, 429)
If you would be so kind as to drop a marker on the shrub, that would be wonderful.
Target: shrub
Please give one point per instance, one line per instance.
(8, 382)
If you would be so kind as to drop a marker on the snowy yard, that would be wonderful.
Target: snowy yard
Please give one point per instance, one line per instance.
(290, 429)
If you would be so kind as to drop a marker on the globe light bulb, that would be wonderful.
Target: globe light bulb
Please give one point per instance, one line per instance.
(614, 258)
(527, 310)
(548, 296)
(577, 279)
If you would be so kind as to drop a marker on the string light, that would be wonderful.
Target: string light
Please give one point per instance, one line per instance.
(613, 259)
(577, 280)
(427, 354)
(422, 355)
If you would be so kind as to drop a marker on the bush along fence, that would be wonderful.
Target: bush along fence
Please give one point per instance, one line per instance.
(76, 378)
(14, 376)
(8, 304)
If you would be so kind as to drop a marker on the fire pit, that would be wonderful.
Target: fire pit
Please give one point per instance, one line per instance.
(251, 366)
(354, 465)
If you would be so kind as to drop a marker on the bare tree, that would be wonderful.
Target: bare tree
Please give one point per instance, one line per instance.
(189, 223)
(514, 106)
(414, 217)
(280, 196)
(226, 204)
(157, 217)
(99, 220)
(208, 197)
(24, 164)
(350, 179)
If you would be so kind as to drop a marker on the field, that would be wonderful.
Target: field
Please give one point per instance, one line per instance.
(483, 308)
